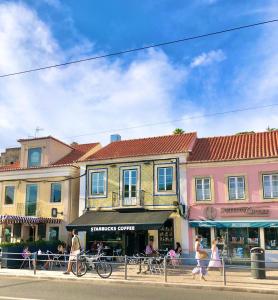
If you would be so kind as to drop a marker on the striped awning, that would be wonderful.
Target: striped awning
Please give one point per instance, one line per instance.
(10, 219)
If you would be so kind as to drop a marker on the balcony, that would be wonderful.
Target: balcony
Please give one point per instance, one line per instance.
(125, 200)
(30, 209)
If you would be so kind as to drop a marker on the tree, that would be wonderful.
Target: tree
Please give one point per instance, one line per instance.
(178, 131)
(271, 129)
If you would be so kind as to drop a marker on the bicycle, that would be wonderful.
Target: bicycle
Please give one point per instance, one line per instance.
(90, 263)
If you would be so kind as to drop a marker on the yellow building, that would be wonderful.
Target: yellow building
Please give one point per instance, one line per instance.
(133, 192)
(39, 194)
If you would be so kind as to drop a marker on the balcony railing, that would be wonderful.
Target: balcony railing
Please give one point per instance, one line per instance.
(127, 200)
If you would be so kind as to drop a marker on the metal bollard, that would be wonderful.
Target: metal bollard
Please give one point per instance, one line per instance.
(35, 262)
(165, 269)
(125, 267)
(224, 272)
(77, 259)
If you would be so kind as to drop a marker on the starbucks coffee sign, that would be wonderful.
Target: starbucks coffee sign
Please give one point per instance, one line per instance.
(112, 228)
(245, 211)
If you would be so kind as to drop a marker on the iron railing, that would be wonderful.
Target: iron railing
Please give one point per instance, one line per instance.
(124, 199)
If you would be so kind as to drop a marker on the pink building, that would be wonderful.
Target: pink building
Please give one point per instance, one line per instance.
(232, 186)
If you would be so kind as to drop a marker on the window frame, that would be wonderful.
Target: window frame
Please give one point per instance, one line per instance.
(29, 157)
(236, 188)
(271, 191)
(37, 186)
(156, 179)
(165, 179)
(210, 189)
(105, 180)
(5, 188)
(49, 230)
(51, 192)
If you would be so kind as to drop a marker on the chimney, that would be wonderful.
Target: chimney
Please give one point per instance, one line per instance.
(115, 138)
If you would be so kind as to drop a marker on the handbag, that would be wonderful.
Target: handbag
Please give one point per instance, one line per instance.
(203, 255)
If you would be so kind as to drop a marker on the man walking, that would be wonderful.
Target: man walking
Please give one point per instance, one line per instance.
(74, 250)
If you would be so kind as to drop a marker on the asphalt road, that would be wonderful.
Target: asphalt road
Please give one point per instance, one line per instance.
(29, 289)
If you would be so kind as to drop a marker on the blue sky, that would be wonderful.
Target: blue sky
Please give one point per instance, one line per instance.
(234, 70)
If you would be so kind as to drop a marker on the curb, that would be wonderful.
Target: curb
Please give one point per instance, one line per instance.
(149, 283)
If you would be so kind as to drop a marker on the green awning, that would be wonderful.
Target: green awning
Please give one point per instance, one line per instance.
(120, 221)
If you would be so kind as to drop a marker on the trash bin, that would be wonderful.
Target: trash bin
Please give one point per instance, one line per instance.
(257, 263)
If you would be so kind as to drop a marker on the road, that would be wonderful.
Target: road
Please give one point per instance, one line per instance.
(29, 289)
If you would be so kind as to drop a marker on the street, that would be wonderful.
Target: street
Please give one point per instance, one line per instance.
(29, 289)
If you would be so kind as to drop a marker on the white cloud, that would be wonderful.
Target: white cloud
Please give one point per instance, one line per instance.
(208, 58)
(84, 98)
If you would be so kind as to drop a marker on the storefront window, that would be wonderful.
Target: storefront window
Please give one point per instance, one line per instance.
(166, 236)
(111, 241)
(271, 238)
(204, 232)
(237, 242)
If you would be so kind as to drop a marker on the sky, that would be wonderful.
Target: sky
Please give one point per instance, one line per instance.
(172, 86)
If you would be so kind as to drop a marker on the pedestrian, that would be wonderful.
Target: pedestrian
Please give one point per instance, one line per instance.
(74, 251)
(200, 256)
(149, 252)
(215, 262)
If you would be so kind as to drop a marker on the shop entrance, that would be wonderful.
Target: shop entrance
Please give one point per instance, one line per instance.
(136, 242)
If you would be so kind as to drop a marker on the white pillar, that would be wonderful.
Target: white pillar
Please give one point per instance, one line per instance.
(262, 238)
(82, 193)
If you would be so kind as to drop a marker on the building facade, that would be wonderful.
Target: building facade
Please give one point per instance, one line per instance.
(134, 191)
(39, 194)
(233, 193)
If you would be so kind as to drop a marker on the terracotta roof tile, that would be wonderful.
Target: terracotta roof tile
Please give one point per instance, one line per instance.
(12, 166)
(235, 147)
(146, 146)
(78, 151)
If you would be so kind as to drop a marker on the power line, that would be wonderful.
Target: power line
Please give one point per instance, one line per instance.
(139, 48)
(178, 120)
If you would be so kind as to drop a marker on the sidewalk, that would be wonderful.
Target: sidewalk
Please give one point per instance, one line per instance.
(236, 280)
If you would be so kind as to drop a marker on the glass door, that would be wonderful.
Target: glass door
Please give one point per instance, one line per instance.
(31, 200)
(130, 186)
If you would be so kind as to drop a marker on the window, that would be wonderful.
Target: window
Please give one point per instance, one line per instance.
(203, 189)
(31, 199)
(54, 233)
(270, 184)
(271, 238)
(34, 157)
(165, 179)
(56, 192)
(236, 187)
(9, 195)
(98, 183)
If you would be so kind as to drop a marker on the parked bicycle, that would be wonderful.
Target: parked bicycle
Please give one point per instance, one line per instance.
(90, 263)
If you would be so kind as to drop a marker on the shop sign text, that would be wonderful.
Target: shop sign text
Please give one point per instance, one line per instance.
(112, 228)
(244, 211)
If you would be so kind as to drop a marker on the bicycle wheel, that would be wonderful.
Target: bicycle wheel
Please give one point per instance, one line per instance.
(82, 268)
(103, 269)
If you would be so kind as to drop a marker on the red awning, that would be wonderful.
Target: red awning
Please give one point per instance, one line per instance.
(9, 219)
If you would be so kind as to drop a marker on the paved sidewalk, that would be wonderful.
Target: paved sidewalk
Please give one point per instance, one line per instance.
(236, 280)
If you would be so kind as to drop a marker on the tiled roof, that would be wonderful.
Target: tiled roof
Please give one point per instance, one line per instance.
(78, 151)
(236, 147)
(147, 146)
(12, 166)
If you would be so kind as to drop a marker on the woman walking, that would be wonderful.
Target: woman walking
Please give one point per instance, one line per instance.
(215, 262)
(201, 255)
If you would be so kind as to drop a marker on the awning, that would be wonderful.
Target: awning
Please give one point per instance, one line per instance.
(234, 224)
(10, 219)
(120, 221)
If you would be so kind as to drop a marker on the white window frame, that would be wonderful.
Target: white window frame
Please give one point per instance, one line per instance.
(203, 189)
(91, 172)
(271, 186)
(236, 188)
(165, 181)
(174, 179)
(4, 197)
